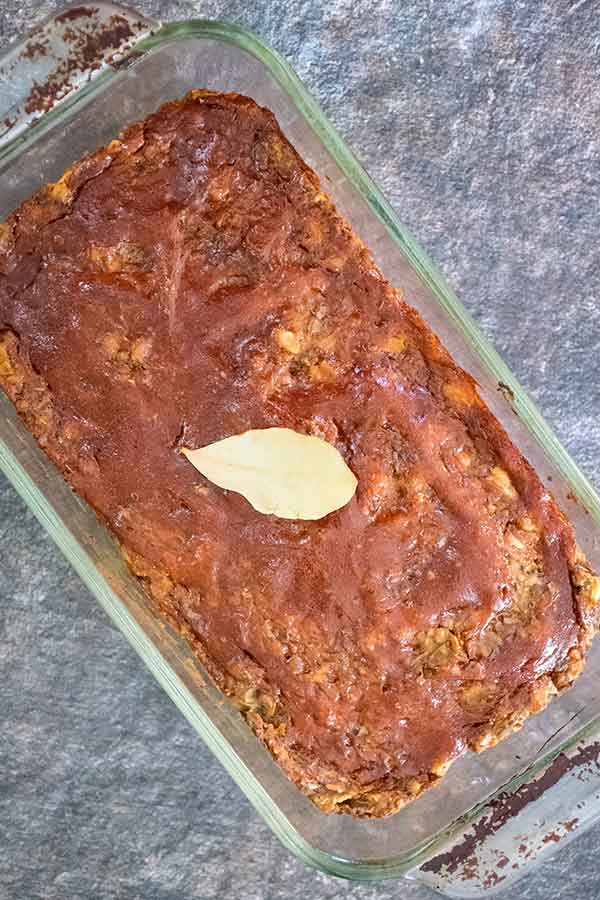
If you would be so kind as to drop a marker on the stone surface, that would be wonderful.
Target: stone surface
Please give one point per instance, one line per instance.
(479, 120)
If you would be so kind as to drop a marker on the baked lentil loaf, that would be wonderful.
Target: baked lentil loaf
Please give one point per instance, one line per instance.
(191, 281)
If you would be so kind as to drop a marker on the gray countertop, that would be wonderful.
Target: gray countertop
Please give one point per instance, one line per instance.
(480, 122)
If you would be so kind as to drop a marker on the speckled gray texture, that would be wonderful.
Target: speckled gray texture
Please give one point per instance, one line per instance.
(480, 121)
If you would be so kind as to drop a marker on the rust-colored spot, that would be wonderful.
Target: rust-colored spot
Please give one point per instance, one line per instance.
(78, 12)
(90, 49)
(505, 807)
(552, 838)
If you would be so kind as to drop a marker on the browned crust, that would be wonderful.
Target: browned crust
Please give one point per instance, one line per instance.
(261, 708)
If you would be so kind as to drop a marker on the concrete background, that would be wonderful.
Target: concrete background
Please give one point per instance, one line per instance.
(480, 122)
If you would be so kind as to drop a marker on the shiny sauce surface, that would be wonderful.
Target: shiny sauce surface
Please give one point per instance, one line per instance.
(190, 282)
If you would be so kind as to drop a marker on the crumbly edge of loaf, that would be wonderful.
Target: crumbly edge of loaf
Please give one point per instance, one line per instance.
(261, 709)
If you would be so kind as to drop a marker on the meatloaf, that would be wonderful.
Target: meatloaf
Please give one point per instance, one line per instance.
(191, 281)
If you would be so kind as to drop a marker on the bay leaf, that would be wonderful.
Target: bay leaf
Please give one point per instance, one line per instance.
(279, 471)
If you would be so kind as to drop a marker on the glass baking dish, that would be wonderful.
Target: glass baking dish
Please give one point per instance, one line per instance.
(493, 815)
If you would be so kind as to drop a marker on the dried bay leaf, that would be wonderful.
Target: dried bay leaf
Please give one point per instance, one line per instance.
(279, 471)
